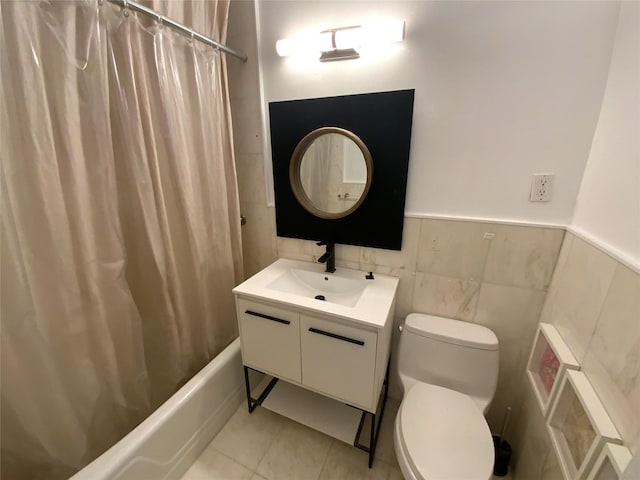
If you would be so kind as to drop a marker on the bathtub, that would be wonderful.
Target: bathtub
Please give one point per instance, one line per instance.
(165, 444)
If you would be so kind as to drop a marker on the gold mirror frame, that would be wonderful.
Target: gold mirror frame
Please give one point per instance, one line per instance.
(296, 182)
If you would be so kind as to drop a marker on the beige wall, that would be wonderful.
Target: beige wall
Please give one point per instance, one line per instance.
(594, 301)
(451, 268)
(608, 205)
(258, 235)
(446, 267)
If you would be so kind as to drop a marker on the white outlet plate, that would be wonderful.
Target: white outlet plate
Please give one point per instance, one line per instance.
(542, 187)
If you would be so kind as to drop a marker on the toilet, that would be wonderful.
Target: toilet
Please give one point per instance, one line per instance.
(448, 371)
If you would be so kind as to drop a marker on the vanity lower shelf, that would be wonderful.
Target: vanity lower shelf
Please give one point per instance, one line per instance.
(328, 360)
(338, 420)
(316, 411)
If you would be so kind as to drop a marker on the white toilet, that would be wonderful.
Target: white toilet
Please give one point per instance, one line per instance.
(449, 373)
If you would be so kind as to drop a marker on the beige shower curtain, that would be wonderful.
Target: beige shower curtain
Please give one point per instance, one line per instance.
(120, 237)
(315, 170)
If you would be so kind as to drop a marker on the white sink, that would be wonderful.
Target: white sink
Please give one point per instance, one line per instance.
(321, 286)
(347, 293)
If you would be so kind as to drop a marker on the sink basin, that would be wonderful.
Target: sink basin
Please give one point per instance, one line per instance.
(320, 286)
(304, 286)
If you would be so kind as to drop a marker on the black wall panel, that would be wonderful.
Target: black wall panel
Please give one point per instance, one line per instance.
(383, 121)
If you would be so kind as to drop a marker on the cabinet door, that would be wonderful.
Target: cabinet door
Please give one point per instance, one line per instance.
(338, 360)
(270, 339)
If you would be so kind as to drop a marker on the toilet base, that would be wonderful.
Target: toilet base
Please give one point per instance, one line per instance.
(440, 433)
(403, 461)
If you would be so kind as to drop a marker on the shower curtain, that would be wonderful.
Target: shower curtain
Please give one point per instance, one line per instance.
(315, 171)
(120, 237)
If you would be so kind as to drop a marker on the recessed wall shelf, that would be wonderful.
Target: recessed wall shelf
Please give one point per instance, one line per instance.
(579, 426)
(611, 463)
(549, 358)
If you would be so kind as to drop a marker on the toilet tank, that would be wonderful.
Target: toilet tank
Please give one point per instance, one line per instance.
(458, 355)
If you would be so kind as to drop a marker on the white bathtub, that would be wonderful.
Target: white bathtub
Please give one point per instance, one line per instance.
(171, 438)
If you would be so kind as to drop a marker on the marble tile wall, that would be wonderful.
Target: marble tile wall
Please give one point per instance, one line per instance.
(445, 267)
(533, 456)
(258, 235)
(492, 274)
(594, 302)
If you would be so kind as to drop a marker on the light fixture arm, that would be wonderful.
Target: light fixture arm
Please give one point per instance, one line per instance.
(343, 43)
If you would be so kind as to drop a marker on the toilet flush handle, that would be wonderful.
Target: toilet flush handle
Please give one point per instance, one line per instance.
(400, 328)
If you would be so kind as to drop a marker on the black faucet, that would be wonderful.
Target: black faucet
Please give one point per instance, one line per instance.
(329, 257)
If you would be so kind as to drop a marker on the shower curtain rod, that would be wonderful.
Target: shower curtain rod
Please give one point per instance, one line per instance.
(135, 6)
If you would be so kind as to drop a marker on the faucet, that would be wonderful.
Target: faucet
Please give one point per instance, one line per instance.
(329, 257)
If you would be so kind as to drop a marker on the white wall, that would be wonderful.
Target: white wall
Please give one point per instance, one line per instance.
(608, 205)
(503, 90)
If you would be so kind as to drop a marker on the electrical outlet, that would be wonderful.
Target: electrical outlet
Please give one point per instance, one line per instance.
(542, 187)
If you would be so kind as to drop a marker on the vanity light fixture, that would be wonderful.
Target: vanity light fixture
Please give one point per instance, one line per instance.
(344, 43)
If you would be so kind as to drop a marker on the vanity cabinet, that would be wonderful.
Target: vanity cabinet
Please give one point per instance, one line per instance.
(270, 339)
(338, 359)
(325, 355)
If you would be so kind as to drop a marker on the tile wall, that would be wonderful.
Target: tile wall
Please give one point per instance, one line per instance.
(454, 268)
(266, 446)
(258, 235)
(450, 268)
(594, 302)
(492, 274)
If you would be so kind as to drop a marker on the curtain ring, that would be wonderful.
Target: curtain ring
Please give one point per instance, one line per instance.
(159, 18)
(125, 8)
(191, 37)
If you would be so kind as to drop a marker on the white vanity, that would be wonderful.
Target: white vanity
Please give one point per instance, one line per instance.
(327, 336)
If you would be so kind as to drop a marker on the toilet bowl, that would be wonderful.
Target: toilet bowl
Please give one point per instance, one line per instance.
(448, 370)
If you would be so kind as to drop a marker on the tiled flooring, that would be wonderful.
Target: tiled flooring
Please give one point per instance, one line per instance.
(267, 446)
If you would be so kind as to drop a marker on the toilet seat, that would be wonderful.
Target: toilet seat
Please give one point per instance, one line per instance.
(443, 435)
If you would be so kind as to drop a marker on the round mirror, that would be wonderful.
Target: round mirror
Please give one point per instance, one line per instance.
(330, 172)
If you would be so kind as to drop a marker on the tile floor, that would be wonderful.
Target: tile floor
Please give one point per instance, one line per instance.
(267, 446)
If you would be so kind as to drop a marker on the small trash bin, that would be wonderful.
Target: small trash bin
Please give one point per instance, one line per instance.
(502, 451)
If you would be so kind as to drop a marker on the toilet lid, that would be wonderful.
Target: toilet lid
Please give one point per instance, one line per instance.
(445, 435)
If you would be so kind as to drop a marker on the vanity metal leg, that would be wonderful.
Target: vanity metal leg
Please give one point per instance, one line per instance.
(376, 417)
(375, 426)
(373, 440)
(252, 403)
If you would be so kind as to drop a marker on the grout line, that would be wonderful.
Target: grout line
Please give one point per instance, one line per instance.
(555, 265)
(492, 243)
(520, 287)
(229, 458)
(605, 248)
(417, 262)
(326, 458)
(458, 218)
(271, 442)
(587, 348)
